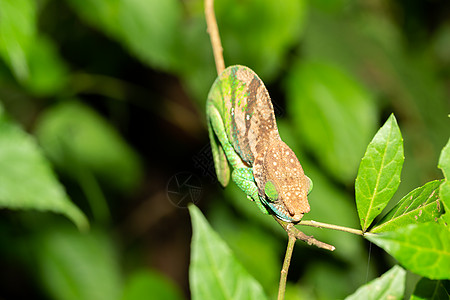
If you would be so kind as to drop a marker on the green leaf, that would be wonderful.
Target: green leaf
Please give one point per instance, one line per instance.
(427, 289)
(419, 206)
(421, 248)
(26, 177)
(77, 139)
(76, 266)
(391, 285)
(379, 172)
(444, 191)
(334, 114)
(214, 272)
(150, 285)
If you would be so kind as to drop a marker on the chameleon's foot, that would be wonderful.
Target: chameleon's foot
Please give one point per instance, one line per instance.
(244, 179)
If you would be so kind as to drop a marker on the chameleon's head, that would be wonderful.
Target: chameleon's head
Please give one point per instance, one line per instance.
(286, 186)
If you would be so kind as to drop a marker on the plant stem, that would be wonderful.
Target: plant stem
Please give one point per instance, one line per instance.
(330, 226)
(291, 230)
(213, 31)
(286, 264)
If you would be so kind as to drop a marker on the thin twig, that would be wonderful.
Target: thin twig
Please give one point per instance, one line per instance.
(213, 31)
(330, 226)
(310, 240)
(286, 264)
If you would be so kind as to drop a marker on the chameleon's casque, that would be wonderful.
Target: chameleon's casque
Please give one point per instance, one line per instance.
(243, 132)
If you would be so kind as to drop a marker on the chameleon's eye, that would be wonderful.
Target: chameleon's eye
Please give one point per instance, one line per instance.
(271, 191)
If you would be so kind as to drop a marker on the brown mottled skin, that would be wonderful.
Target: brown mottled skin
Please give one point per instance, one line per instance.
(243, 131)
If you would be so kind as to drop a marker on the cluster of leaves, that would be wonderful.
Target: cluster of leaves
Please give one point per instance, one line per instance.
(333, 68)
(413, 231)
(416, 231)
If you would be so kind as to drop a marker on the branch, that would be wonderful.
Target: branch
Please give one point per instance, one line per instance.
(213, 31)
(286, 264)
(310, 240)
(331, 226)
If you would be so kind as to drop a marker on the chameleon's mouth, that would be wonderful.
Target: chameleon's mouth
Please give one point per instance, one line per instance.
(282, 213)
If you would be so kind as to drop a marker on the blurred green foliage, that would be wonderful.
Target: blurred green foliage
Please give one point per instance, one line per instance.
(92, 145)
(108, 96)
(26, 178)
(70, 265)
(150, 285)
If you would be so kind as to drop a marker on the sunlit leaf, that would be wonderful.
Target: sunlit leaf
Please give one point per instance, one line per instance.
(419, 206)
(150, 285)
(333, 113)
(427, 289)
(390, 285)
(26, 177)
(75, 266)
(421, 248)
(214, 272)
(379, 172)
(76, 138)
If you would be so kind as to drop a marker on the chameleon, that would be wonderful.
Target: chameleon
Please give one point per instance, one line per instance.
(243, 133)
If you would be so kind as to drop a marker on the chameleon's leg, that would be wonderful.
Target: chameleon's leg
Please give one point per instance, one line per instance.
(217, 125)
(244, 179)
(220, 159)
